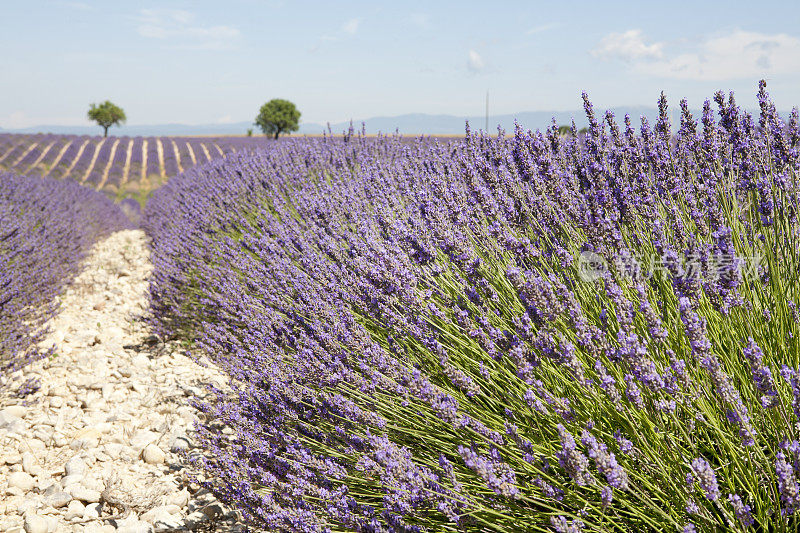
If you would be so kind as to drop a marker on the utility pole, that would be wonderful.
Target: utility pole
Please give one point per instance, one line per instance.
(487, 111)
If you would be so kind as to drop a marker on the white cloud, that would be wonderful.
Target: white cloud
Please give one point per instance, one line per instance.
(628, 46)
(734, 55)
(740, 54)
(351, 26)
(81, 6)
(475, 62)
(420, 20)
(540, 29)
(16, 119)
(226, 119)
(180, 25)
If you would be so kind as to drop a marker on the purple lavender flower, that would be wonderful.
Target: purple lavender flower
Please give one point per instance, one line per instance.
(762, 376)
(793, 378)
(606, 462)
(562, 525)
(625, 445)
(571, 459)
(788, 487)
(633, 393)
(706, 478)
(742, 511)
(498, 476)
(606, 496)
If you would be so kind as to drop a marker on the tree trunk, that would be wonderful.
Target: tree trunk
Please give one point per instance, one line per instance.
(105, 131)
(276, 134)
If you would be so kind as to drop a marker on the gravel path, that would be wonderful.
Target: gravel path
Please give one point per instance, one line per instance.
(102, 444)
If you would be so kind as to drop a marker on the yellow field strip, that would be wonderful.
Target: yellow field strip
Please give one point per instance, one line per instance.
(96, 153)
(77, 157)
(160, 152)
(205, 150)
(8, 153)
(26, 152)
(191, 152)
(104, 179)
(39, 159)
(127, 168)
(177, 156)
(58, 158)
(144, 160)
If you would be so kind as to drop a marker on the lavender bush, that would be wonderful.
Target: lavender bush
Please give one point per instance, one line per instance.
(533, 332)
(46, 229)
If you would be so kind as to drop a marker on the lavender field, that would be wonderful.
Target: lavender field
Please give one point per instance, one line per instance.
(46, 229)
(524, 332)
(114, 164)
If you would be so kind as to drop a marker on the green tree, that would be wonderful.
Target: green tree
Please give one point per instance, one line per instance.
(564, 130)
(106, 115)
(278, 116)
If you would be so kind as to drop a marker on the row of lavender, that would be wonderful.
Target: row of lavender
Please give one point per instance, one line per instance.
(525, 333)
(112, 162)
(46, 228)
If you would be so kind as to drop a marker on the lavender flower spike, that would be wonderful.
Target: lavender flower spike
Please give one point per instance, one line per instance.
(706, 478)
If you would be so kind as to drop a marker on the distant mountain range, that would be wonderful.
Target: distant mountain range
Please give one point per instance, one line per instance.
(409, 124)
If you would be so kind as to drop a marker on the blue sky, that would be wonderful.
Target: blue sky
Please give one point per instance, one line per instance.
(211, 62)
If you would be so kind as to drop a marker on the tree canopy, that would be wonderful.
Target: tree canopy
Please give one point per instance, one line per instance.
(567, 130)
(278, 116)
(106, 115)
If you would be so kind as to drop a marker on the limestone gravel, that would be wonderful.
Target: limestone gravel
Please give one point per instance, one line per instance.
(102, 445)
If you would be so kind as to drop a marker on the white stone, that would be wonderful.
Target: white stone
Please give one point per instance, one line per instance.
(83, 494)
(18, 411)
(179, 443)
(35, 524)
(35, 445)
(70, 480)
(14, 491)
(30, 464)
(141, 362)
(21, 480)
(142, 439)
(52, 489)
(57, 500)
(153, 455)
(99, 528)
(29, 505)
(11, 459)
(52, 523)
(13, 425)
(75, 509)
(169, 523)
(92, 511)
(75, 466)
(181, 499)
(136, 527)
(113, 449)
